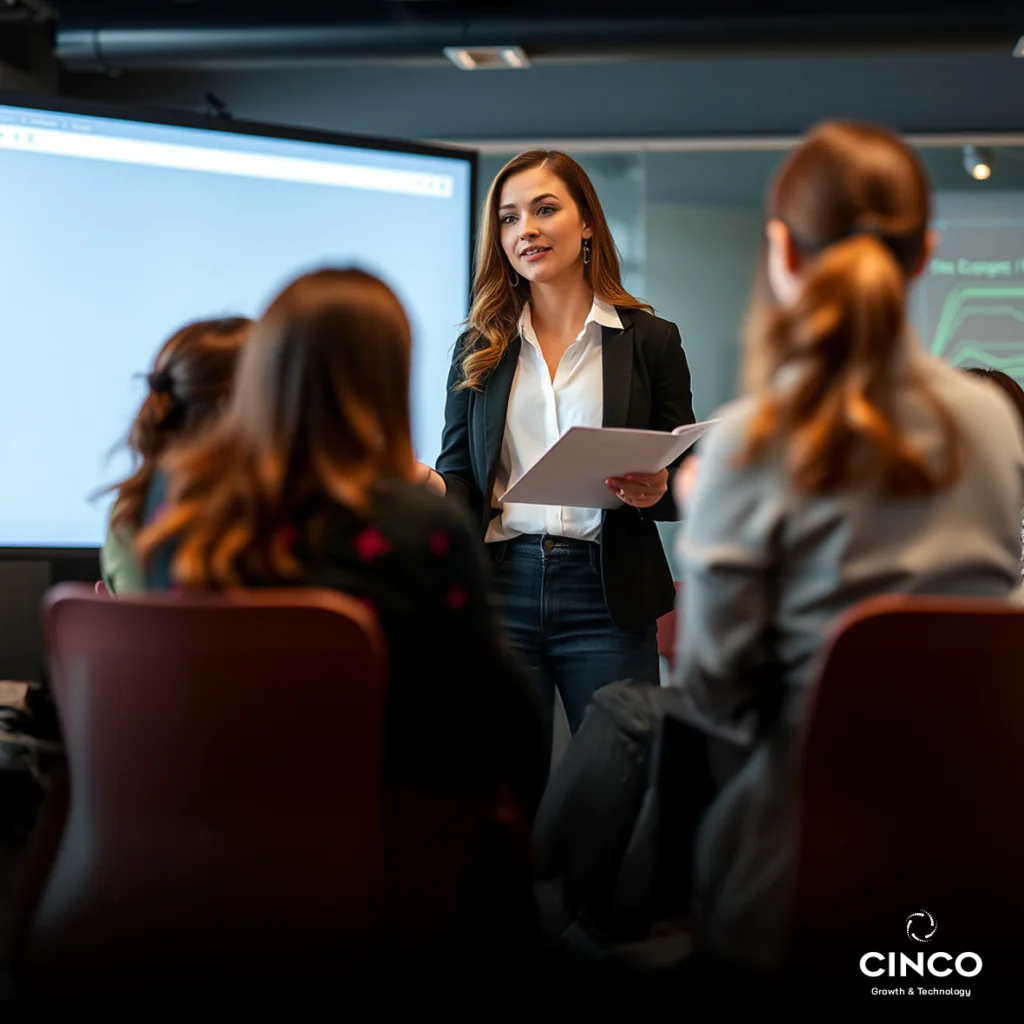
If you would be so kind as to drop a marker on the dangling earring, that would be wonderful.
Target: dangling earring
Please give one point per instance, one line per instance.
(586, 251)
(515, 283)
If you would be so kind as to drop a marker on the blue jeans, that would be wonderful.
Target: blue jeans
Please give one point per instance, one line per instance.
(549, 596)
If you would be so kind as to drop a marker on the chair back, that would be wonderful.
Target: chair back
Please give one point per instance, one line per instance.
(911, 789)
(224, 757)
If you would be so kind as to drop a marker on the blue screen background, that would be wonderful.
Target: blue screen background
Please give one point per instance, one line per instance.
(103, 261)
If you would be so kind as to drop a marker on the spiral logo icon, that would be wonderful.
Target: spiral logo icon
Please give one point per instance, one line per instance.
(921, 926)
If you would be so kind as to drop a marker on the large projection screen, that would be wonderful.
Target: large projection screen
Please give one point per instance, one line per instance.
(969, 303)
(121, 226)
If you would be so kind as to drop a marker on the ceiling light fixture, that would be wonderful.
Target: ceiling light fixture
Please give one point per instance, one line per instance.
(487, 58)
(978, 162)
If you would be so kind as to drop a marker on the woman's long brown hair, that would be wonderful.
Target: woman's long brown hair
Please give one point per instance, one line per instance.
(497, 303)
(320, 410)
(188, 385)
(855, 200)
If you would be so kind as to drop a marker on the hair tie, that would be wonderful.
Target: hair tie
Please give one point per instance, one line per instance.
(905, 248)
(160, 382)
(867, 229)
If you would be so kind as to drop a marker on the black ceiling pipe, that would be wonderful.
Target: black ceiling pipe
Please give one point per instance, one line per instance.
(183, 48)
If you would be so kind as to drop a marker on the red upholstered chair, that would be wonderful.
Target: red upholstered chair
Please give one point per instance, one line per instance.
(224, 814)
(911, 794)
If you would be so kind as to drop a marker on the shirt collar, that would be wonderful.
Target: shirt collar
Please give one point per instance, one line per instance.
(601, 313)
(604, 314)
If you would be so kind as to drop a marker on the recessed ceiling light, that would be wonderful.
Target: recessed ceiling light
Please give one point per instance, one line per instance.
(487, 58)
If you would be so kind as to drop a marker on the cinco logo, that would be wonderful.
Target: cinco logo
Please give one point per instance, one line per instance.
(921, 927)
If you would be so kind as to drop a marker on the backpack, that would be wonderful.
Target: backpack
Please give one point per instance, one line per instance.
(614, 834)
(30, 751)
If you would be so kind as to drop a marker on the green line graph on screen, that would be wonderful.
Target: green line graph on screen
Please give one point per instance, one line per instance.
(969, 303)
(982, 325)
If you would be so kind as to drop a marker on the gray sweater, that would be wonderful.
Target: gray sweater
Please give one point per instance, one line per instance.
(766, 571)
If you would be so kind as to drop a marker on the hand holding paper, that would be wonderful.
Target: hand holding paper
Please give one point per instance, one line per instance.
(573, 471)
(641, 490)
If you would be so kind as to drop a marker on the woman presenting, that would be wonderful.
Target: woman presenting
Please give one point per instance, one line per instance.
(554, 341)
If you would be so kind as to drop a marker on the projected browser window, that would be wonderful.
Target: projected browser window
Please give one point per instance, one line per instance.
(117, 232)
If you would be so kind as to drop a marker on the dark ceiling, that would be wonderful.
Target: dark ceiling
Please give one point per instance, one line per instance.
(124, 13)
(628, 69)
(220, 31)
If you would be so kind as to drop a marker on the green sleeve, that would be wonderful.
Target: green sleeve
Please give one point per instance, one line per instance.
(121, 570)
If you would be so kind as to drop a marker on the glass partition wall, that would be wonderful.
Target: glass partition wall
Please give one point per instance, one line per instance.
(688, 223)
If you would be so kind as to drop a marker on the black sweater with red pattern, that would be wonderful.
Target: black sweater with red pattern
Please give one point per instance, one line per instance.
(460, 714)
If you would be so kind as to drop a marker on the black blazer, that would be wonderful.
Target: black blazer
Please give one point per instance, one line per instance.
(646, 386)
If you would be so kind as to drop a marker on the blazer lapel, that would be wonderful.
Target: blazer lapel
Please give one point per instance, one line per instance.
(496, 395)
(617, 367)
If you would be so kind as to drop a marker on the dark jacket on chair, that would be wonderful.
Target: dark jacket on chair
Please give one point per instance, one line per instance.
(647, 387)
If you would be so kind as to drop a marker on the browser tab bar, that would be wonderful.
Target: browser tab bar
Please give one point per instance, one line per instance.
(85, 145)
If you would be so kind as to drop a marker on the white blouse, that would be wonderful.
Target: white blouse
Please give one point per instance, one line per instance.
(540, 410)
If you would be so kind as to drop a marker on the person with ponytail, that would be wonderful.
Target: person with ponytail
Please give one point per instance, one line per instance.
(187, 387)
(555, 341)
(856, 465)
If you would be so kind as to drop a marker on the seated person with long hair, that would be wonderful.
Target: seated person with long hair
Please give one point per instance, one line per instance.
(858, 466)
(187, 387)
(307, 480)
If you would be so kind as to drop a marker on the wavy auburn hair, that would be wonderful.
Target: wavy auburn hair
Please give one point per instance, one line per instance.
(188, 385)
(320, 412)
(856, 202)
(497, 304)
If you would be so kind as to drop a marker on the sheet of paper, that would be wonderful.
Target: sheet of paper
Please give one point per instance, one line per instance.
(572, 472)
